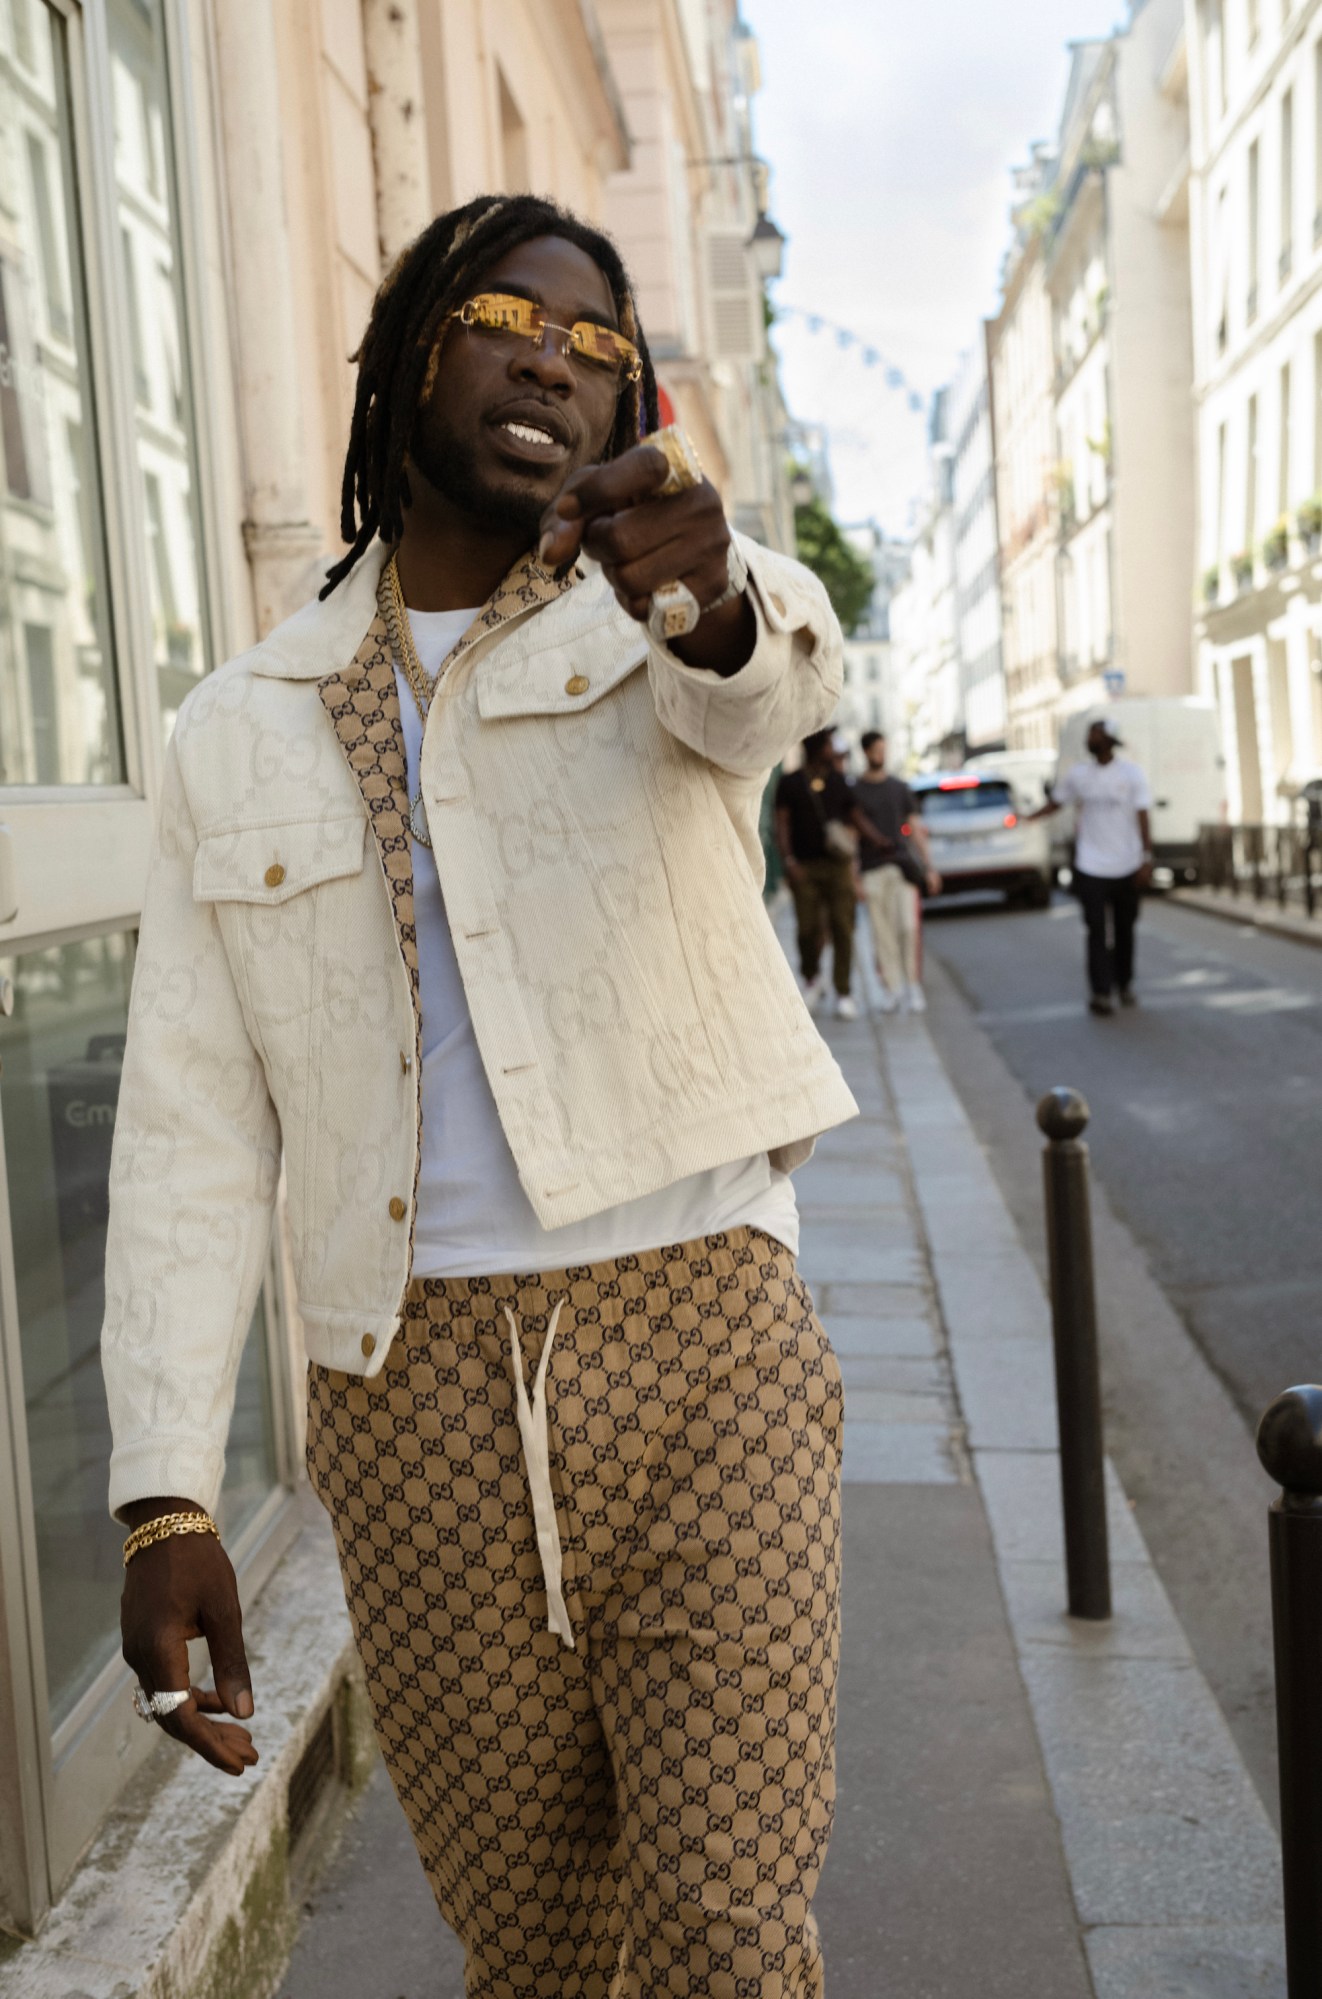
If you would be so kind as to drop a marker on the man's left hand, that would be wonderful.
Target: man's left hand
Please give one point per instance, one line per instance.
(612, 512)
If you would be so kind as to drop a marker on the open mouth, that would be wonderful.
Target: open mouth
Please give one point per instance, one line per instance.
(532, 442)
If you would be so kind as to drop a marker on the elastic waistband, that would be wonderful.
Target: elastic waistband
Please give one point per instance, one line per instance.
(533, 1293)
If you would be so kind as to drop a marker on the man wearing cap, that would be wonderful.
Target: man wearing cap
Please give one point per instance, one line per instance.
(1112, 859)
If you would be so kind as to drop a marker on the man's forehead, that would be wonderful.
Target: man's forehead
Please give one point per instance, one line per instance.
(552, 271)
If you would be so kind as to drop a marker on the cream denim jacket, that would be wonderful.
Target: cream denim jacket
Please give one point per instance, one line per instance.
(593, 805)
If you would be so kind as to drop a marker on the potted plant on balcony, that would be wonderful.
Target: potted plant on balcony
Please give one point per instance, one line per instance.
(1308, 522)
(1212, 583)
(1276, 545)
(1241, 568)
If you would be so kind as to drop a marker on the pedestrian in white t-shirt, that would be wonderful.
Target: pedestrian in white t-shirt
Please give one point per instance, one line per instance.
(1112, 859)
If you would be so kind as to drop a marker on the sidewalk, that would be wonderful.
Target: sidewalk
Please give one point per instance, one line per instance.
(1028, 1806)
(1264, 914)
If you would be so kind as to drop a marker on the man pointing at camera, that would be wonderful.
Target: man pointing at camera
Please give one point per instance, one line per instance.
(456, 908)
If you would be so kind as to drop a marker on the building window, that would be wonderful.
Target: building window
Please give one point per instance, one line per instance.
(166, 445)
(101, 622)
(59, 714)
(1221, 255)
(1251, 479)
(1255, 232)
(1283, 473)
(1317, 142)
(1252, 20)
(1317, 412)
(1215, 48)
(1287, 185)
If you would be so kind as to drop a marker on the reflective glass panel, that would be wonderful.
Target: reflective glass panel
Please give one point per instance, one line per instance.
(59, 721)
(149, 263)
(62, 1050)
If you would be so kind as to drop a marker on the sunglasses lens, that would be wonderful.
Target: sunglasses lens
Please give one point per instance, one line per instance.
(600, 344)
(503, 313)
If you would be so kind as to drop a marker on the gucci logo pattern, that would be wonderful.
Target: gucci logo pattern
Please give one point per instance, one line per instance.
(363, 706)
(648, 1813)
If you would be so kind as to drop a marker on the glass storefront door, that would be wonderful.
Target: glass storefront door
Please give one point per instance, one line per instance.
(61, 1051)
(103, 623)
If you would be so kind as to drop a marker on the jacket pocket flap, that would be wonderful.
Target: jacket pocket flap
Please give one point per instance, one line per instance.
(559, 679)
(269, 864)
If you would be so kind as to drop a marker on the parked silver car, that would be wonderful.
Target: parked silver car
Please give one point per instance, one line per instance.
(980, 837)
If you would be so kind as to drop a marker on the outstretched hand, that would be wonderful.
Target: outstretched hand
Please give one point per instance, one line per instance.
(612, 513)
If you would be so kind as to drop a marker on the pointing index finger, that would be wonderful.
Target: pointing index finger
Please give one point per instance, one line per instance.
(636, 475)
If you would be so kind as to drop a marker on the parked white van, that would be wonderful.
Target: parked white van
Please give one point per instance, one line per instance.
(1177, 741)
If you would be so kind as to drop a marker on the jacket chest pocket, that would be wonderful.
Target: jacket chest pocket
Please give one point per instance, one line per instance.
(289, 901)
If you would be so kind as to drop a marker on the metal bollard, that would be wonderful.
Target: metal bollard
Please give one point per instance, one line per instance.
(1063, 1116)
(1290, 1446)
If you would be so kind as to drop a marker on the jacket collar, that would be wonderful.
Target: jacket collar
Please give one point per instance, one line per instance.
(326, 637)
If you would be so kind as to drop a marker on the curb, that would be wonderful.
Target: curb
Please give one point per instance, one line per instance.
(1262, 915)
(1174, 1865)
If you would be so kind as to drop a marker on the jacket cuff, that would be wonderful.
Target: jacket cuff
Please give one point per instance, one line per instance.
(166, 1468)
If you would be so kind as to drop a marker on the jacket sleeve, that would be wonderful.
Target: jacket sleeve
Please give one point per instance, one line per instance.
(192, 1189)
(790, 686)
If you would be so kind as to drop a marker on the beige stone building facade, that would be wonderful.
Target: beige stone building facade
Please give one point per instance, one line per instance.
(197, 200)
(1019, 346)
(1256, 197)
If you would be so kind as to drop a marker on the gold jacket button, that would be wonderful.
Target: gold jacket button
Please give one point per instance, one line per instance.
(398, 1208)
(368, 1345)
(275, 874)
(577, 683)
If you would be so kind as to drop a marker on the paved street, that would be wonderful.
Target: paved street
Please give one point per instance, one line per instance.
(1207, 1105)
(1203, 1137)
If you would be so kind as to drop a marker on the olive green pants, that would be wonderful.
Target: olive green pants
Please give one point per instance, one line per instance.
(823, 894)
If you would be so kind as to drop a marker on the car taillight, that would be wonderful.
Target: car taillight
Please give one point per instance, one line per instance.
(1011, 819)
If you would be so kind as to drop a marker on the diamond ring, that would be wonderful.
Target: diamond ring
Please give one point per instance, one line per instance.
(675, 612)
(155, 1707)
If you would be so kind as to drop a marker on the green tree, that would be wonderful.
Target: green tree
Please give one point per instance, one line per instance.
(847, 576)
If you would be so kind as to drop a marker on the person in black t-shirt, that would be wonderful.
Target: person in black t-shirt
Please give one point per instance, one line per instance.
(815, 832)
(890, 830)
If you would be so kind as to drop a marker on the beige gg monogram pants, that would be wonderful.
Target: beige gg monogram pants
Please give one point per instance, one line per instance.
(637, 1802)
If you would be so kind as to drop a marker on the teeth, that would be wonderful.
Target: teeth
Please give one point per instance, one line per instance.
(529, 433)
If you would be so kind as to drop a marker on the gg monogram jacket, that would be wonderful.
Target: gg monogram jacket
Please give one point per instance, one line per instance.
(593, 805)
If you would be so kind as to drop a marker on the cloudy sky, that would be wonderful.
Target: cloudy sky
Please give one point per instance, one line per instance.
(891, 128)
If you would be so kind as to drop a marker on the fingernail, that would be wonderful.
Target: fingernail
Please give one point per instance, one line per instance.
(544, 548)
(243, 1705)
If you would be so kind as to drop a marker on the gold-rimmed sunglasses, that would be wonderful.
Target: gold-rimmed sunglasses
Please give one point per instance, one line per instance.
(601, 346)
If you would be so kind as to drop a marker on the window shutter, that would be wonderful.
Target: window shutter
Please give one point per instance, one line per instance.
(736, 308)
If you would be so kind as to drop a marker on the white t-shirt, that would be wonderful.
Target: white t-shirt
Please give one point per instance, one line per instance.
(1109, 798)
(474, 1218)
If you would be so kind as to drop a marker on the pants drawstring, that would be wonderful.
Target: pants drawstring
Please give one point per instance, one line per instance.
(535, 1431)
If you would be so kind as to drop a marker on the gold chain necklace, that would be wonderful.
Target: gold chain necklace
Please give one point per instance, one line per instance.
(400, 633)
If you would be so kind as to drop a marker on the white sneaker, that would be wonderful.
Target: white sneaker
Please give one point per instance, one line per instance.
(813, 993)
(845, 1008)
(887, 1001)
(916, 999)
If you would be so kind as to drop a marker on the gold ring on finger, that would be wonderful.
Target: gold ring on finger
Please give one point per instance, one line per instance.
(677, 450)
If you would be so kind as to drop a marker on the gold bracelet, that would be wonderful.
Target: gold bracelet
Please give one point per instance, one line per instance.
(163, 1527)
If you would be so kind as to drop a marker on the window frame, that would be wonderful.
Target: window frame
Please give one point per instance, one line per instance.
(57, 1786)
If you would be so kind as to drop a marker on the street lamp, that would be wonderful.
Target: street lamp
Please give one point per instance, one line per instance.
(766, 246)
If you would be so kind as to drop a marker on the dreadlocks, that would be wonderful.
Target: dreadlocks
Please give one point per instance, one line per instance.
(398, 356)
